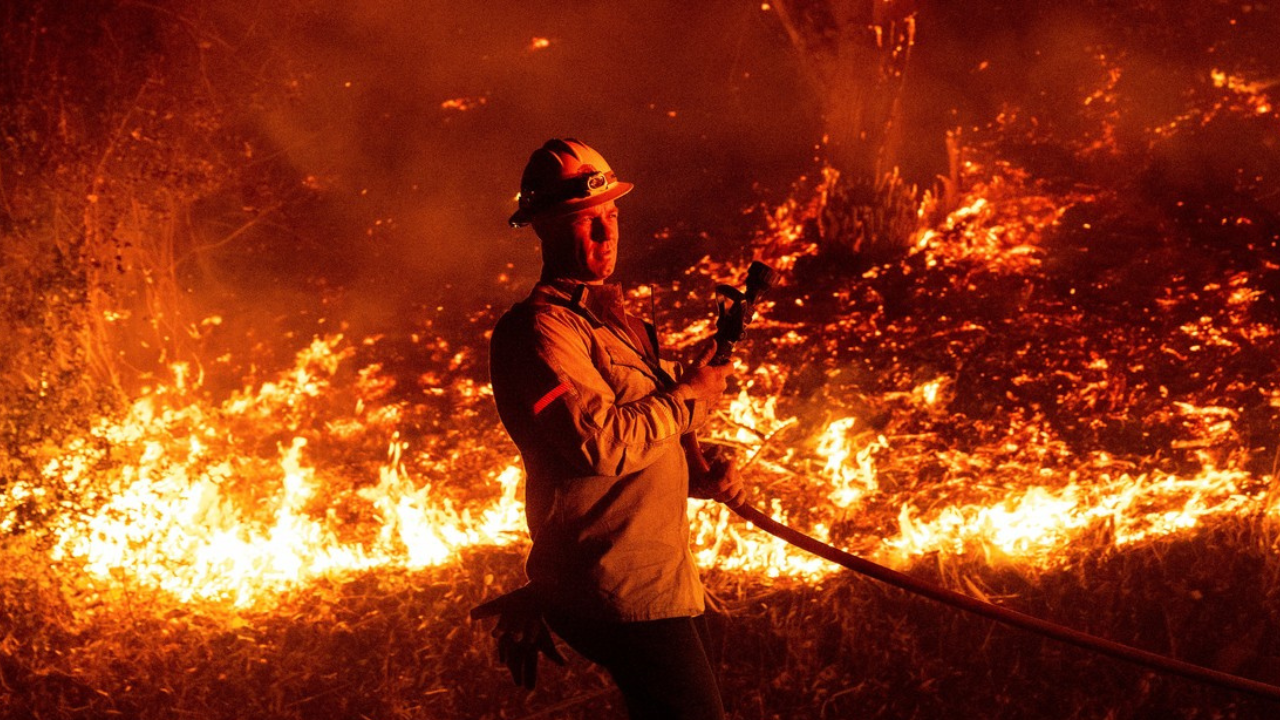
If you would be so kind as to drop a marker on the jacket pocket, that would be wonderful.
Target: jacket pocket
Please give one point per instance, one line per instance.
(628, 374)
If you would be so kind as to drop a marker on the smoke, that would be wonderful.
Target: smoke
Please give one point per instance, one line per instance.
(1066, 68)
(393, 133)
(409, 124)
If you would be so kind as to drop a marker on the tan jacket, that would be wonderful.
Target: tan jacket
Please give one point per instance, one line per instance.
(598, 421)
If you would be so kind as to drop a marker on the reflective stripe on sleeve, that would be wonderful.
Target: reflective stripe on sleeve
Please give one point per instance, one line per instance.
(550, 397)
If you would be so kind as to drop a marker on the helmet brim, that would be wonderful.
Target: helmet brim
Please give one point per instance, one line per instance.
(522, 217)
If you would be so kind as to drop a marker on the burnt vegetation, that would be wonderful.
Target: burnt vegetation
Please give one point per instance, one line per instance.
(1077, 292)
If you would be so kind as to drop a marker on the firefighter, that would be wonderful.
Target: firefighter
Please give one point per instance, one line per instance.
(598, 420)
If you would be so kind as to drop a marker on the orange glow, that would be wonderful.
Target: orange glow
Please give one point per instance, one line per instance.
(311, 473)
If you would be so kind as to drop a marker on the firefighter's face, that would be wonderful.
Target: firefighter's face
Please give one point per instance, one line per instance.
(582, 245)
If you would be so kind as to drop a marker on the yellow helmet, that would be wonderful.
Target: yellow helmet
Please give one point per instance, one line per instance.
(563, 176)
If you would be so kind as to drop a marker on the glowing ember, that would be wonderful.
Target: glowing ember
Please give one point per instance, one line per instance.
(1002, 224)
(1253, 93)
(463, 104)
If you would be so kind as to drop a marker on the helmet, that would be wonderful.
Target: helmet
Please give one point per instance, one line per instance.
(563, 176)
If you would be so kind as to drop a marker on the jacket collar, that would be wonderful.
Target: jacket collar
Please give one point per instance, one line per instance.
(591, 301)
(603, 306)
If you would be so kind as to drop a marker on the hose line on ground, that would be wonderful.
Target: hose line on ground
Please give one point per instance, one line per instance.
(1005, 615)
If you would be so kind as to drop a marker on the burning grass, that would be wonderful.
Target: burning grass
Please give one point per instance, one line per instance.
(1075, 447)
(1061, 396)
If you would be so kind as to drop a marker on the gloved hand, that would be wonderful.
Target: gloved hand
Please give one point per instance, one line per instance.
(721, 482)
(522, 634)
(708, 382)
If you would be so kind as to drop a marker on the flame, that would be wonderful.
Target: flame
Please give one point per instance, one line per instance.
(312, 472)
(851, 469)
(1001, 225)
(180, 507)
(431, 532)
(733, 548)
(1036, 524)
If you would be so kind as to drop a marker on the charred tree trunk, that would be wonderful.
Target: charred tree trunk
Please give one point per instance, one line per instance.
(855, 55)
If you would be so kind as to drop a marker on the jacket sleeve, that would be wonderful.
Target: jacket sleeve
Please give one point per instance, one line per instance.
(576, 411)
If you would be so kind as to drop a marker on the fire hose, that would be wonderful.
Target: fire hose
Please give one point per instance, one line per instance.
(1005, 615)
(736, 308)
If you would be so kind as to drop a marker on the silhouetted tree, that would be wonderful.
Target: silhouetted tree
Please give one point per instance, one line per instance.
(855, 55)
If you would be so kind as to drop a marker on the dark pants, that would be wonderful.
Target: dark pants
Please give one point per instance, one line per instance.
(662, 667)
